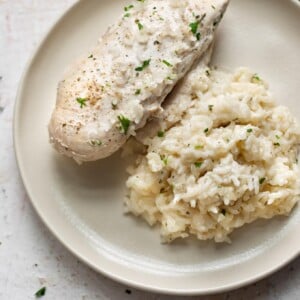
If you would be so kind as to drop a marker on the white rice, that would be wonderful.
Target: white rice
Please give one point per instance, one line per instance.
(226, 160)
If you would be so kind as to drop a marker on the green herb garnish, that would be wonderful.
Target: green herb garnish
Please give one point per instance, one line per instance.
(164, 159)
(140, 26)
(144, 65)
(249, 130)
(262, 180)
(137, 92)
(277, 137)
(40, 293)
(127, 8)
(160, 134)
(198, 164)
(167, 63)
(255, 77)
(127, 15)
(210, 107)
(125, 123)
(194, 27)
(81, 101)
(205, 130)
(91, 56)
(276, 144)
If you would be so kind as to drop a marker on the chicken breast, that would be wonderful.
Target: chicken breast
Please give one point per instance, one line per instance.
(111, 92)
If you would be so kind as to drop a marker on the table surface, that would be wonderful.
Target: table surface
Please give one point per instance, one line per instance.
(30, 257)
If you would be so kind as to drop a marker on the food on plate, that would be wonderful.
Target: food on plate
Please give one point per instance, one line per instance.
(223, 154)
(111, 92)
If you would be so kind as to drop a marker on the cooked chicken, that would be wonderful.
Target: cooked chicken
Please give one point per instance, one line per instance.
(106, 96)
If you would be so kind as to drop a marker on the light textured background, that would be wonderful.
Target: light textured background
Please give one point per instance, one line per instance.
(30, 257)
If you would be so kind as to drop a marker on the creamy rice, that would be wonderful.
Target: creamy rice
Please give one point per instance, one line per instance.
(226, 157)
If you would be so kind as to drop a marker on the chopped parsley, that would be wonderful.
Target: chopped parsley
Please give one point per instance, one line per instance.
(40, 293)
(262, 180)
(249, 130)
(276, 144)
(277, 137)
(81, 101)
(207, 73)
(137, 92)
(210, 107)
(198, 147)
(213, 7)
(205, 130)
(127, 8)
(167, 63)
(140, 26)
(141, 0)
(125, 123)
(160, 134)
(95, 142)
(198, 164)
(164, 159)
(194, 27)
(127, 15)
(91, 56)
(255, 77)
(144, 65)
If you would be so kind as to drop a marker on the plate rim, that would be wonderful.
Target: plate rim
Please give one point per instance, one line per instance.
(67, 244)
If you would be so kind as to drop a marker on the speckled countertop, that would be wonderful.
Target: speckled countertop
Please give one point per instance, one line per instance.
(30, 257)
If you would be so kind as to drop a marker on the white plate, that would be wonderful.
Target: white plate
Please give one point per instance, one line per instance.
(82, 205)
